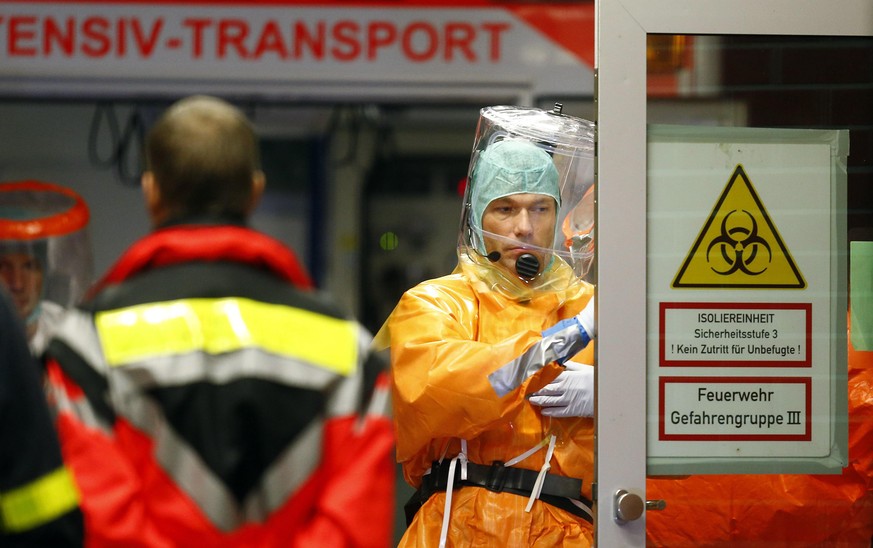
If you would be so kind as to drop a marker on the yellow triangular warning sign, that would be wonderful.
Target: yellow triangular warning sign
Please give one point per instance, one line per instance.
(739, 246)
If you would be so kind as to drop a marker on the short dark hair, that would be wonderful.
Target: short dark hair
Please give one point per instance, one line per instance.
(203, 153)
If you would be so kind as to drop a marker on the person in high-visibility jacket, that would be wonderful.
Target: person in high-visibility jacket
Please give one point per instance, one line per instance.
(493, 419)
(206, 394)
(39, 503)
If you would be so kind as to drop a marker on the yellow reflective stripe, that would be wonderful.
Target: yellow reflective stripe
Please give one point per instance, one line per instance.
(223, 325)
(38, 502)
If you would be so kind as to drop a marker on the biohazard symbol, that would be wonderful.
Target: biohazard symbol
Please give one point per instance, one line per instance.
(739, 246)
(744, 243)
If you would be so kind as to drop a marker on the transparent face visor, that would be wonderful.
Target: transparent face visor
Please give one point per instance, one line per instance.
(45, 248)
(551, 155)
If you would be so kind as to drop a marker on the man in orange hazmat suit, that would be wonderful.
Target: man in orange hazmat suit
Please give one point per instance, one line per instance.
(492, 398)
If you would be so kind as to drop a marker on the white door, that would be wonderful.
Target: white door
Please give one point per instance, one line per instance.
(623, 111)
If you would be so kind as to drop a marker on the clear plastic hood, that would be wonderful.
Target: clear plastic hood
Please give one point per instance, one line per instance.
(519, 154)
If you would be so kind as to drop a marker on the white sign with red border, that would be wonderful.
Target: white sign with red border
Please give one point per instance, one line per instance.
(746, 355)
(393, 51)
(735, 334)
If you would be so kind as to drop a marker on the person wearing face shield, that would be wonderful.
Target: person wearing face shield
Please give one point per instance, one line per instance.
(22, 271)
(45, 253)
(492, 399)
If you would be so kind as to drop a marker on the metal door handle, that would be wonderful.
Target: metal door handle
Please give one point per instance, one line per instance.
(630, 506)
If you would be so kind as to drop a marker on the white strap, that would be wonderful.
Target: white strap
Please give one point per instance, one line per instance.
(447, 509)
(526, 454)
(582, 506)
(541, 477)
(463, 458)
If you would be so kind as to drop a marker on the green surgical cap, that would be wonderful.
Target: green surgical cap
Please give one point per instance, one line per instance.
(511, 166)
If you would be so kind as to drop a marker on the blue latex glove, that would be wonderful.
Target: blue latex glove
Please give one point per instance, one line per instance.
(568, 337)
(571, 394)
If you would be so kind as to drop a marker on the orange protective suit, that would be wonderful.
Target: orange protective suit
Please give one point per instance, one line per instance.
(778, 510)
(446, 336)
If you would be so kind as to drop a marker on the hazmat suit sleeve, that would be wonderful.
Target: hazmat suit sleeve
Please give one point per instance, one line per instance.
(447, 362)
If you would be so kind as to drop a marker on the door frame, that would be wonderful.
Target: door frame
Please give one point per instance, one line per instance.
(621, 28)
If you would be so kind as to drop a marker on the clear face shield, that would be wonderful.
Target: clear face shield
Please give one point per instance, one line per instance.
(527, 222)
(45, 250)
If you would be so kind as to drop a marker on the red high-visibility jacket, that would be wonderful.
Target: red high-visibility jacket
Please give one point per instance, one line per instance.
(207, 397)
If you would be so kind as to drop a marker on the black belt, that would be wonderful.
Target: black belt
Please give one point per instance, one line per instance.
(496, 477)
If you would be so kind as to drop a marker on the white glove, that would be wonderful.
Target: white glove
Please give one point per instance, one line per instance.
(586, 319)
(571, 394)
